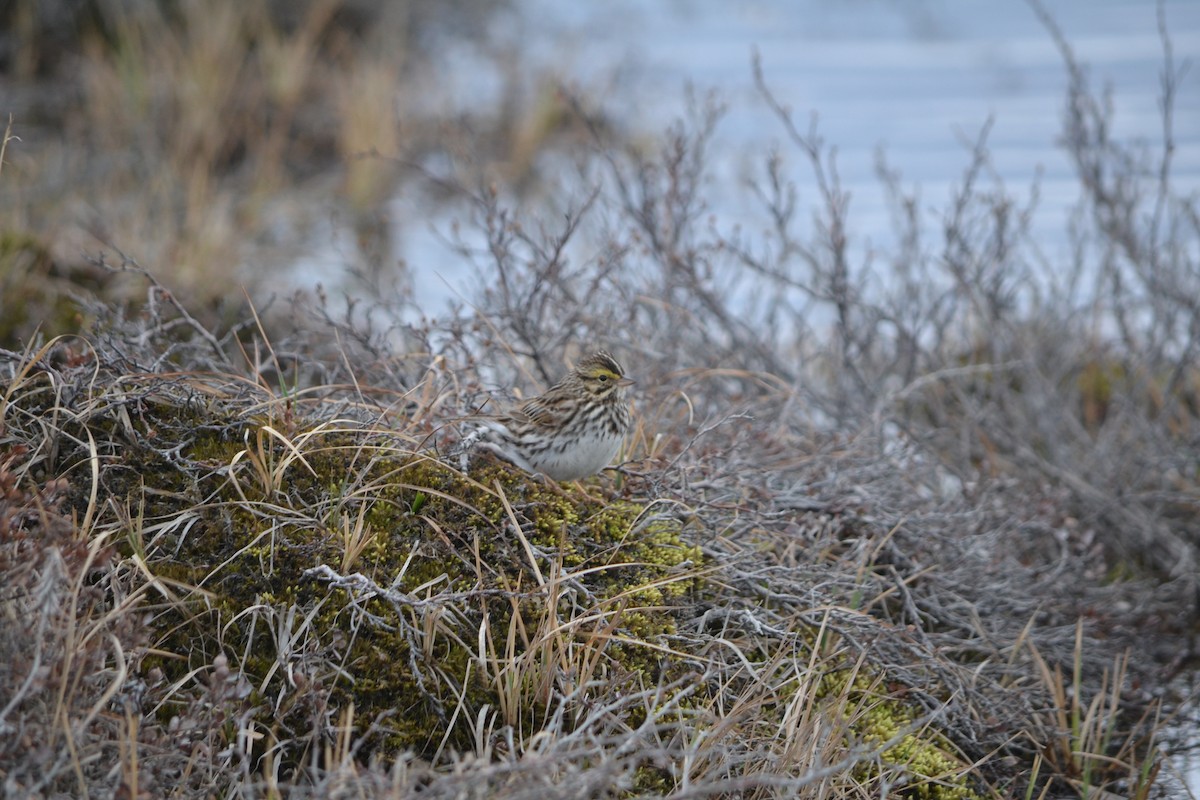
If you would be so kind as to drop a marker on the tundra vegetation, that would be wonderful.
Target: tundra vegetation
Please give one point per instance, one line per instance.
(922, 525)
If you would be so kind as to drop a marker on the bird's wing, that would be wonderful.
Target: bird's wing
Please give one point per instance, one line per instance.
(537, 412)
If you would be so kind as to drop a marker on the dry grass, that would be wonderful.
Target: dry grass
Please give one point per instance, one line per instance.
(813, 655)
(219, 137)
(868, 540)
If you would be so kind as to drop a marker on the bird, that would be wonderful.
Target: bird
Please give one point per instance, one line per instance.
(571, 431)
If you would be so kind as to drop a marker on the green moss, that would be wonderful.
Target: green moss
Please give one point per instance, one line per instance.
(440, 568)
(456, 592)
(923, 755)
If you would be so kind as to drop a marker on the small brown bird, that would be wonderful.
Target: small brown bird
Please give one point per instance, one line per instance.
(572, 431)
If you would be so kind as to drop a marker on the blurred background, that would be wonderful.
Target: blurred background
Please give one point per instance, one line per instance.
(278, 145)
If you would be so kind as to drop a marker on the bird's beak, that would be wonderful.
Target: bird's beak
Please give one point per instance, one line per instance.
(626, 382)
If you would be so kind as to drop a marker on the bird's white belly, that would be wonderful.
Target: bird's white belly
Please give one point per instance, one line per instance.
(586, 457)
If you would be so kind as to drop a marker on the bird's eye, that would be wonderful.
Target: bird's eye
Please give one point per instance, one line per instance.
(602, 378)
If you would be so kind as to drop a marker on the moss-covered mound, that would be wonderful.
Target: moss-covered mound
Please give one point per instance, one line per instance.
(334, 557)
(318, 587)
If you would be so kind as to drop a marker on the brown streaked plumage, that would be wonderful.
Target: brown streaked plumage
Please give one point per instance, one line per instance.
(572, 430)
